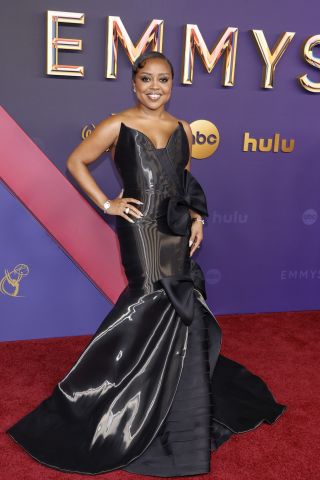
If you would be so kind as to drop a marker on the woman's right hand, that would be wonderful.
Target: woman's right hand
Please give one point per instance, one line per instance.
(119, 204)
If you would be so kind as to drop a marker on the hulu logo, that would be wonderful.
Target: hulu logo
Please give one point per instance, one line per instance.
(274, 144)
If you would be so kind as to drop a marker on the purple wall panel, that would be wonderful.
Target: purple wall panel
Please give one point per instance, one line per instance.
(261, 250)
(55, 298)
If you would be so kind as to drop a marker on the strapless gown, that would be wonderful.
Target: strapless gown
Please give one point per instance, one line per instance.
(151, 393)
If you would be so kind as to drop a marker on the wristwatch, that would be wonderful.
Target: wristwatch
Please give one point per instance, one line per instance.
(198, 219)
(106, 205)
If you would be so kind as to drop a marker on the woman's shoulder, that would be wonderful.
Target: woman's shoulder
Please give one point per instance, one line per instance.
(120, 116)
(112, 123)
(173, 119)
(109, 127)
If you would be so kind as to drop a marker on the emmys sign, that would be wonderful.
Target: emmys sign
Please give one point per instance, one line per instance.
(152, 37)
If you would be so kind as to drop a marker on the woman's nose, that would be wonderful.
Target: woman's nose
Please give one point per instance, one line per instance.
(154, 83)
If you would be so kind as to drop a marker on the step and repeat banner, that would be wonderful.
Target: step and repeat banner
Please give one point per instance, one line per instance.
(247, 79)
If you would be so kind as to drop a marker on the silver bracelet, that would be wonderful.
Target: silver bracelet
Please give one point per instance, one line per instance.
(106, 205)
(197, 219)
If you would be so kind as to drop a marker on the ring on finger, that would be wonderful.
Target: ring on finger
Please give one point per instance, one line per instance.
(127, 210)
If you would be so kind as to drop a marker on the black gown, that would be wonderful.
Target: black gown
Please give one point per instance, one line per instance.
(151, 393)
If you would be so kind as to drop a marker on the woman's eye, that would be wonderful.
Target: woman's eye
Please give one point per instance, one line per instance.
(147, 78)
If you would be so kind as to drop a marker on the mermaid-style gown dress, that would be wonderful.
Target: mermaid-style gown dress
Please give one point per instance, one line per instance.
(151, 393)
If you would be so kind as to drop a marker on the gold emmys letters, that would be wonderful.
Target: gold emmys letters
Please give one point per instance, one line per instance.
(225, 46)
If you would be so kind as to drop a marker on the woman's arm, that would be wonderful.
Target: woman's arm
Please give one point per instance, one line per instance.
(188, 131)
(88, 151)
(196, 236)
(102, 137)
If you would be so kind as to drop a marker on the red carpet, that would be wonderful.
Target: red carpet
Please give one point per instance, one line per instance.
(282, 348)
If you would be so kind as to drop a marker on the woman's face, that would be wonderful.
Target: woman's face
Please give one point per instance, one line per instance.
(153, 83)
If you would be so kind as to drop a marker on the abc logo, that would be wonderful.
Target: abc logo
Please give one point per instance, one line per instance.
(310, 216)
(213, 276)
(87, 130)
(205, 138)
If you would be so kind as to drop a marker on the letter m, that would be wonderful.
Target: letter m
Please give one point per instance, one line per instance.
(115, 30)
(227, 44)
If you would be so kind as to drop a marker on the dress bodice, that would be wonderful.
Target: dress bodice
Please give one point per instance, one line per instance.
(158, 177)
(139, 162)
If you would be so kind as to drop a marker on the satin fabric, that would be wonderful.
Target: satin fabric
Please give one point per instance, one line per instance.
(151, 393)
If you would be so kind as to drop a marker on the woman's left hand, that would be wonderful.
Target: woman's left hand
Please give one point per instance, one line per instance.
(196, 236)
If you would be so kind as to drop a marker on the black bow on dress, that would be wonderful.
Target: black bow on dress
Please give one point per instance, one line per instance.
(178, 216)
(180, 288)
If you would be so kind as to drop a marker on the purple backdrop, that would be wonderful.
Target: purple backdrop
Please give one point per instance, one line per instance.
(261, 247)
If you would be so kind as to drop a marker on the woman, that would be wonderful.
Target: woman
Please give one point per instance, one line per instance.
(151, 393)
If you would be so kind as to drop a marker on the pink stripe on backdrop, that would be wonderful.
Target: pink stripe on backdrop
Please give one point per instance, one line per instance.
(60, 208)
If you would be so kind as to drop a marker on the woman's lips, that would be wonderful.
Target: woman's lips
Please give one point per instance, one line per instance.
(154, 96)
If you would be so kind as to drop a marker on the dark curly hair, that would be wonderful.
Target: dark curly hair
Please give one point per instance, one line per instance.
(141, 60)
